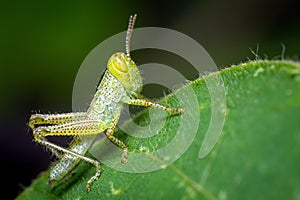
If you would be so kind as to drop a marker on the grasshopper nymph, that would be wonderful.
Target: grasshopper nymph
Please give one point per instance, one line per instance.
(121, 84)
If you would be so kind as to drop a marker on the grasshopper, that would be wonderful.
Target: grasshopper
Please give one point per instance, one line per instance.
(121, 84)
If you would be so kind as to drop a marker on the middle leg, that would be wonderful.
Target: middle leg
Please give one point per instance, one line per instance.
(110, 135)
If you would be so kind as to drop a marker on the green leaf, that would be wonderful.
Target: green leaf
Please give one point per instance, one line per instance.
(256, 157)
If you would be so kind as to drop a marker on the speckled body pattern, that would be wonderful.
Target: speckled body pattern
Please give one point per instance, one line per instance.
(121, 84)
(106, 105)
(108, 100)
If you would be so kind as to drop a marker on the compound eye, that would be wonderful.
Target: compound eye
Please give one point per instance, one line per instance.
(120, 64)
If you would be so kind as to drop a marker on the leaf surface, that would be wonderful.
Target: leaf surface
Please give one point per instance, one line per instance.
(256, 157)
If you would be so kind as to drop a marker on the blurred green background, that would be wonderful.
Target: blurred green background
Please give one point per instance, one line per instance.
(42, 45)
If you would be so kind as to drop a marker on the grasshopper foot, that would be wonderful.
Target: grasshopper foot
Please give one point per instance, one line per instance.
(124, 157)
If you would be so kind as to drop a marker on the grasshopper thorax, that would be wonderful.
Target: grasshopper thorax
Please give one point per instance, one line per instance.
(125, 70)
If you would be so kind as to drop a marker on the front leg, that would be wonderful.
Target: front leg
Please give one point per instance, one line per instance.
(144, 102)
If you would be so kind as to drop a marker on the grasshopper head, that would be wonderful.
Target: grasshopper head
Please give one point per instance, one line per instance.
(125, 70)
(121, 66)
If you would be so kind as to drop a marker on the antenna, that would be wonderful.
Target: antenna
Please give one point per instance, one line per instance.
(131, 22)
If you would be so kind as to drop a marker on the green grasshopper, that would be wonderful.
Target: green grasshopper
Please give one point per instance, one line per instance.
(121, 84)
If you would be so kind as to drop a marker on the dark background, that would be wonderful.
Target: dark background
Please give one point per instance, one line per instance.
(43, 44)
